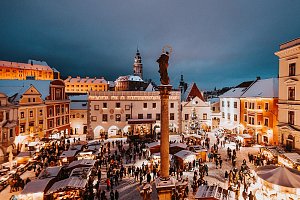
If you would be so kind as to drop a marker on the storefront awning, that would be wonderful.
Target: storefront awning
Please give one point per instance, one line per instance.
(141, 121)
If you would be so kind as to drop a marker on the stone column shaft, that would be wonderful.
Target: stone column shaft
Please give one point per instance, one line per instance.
(164, 127)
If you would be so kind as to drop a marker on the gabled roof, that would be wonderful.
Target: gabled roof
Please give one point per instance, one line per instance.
(265, 88)
(237, 91)
(19, 87)
(191, 92)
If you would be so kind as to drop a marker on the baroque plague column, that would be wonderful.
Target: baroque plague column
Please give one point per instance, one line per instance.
(164, 184)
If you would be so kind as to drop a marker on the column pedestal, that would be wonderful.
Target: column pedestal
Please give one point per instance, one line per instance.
(164, 184)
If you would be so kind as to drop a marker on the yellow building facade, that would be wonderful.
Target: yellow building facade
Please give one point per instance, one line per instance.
(84, 85)
(24, 71)
(289, 95)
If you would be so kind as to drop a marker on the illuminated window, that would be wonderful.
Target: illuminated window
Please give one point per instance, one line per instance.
(94, 118)
(41, 112)
(140, 116)
(149, 116)
(31, 113)
(104, 117)
(22, 115)
(266, 122)
(204, 116)
(118, 117)
(228, 116)
(235, 117)
(96, 107)
(128, 116)
(266, 106)
(186, 117)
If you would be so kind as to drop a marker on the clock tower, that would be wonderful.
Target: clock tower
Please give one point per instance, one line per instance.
(137, 65)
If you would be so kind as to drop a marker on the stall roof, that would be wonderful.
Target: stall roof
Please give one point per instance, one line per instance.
(245, 136)
(81, 172)
(77, 147)
(81, 163)
(50, 172)
(184, 154)
(70, 183)
(278, 175)
(181, 145)
(152, 144)
(36, 186)
(69, 153)
(214, 192)
(25, 154)
(294, 157)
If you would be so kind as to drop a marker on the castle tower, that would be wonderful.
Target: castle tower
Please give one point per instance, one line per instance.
(137, 65)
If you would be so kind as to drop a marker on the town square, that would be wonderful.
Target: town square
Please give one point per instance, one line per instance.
(162, 100)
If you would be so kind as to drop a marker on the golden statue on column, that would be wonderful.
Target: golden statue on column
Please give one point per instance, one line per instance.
(163, 62)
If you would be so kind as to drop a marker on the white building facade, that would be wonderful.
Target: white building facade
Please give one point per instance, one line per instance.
(112, 113)
(78, 114)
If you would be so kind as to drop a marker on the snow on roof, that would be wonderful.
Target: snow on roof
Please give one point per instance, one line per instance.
(36, 186)
(181, 145)
(69, 153)
(233, 93)
(153, 144)
(12, 87)
(184, 154)
(70, 183)
(81, 163)
(129, 78)
(214, 100)
(265, 88)
(37, 65)
(54, 69)
(78, 105)
(83, 97)
(150, 88)
(37, 62)
(86, 80)
(50, 172)
(295, 157)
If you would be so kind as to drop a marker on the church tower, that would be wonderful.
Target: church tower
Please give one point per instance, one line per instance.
(137, 65)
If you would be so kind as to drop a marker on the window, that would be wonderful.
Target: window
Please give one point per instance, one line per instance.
(291, 117)
(222, 103)
(157, 117)
(149, 116)
(118, 105)
(57, 110)
(228, 104)
(153, 105)
(118, 117)
(62, 121)
(22, 128)
(51, 124)
(82, 116)
(172, 105)
(41, 122)
(266, 122)
(94, 118)
(67, 120)
(11, 132)
(204, 116)
(22, 115)
(104, 105)
(213, 109)
(58, 122)
(186, 117)
(41, 112)
(245, 118)
(223, 115)
(251, 120)
(246, 104)
(104, 117)
(145, 105)
(96, 107)
(31, 113)
(128, 117)
(172, 116)
(33, 99)
(235, 104)
(266, 106)
(292, 69)
(291, 93)
(127, 107)
(140, 116)
(228, 116)
(235, 117)
(29, 100)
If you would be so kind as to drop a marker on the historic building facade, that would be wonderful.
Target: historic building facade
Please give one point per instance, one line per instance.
(118, 113)
(230, 107)
(8, 125)
(289, 95)
(80, 85)
(78, 114)
(259, 111)
(42, 108)
(32, 70)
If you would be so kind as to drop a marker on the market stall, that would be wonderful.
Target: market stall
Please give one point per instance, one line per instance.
(291, 160)
(153, 147)
(214, 193)
(81, 163)
(51, 172)
(200, 151)
(246, 139)
(86, 155)
(276, 182)
(70, 188)
(68, 156)
(185, 158)
(24, 157)
(176, 147)
(272, 153)
(35, 190)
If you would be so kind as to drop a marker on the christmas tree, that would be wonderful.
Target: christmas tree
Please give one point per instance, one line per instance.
(194, 124)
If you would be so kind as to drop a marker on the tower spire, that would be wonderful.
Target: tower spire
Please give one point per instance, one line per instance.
(137, 65)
